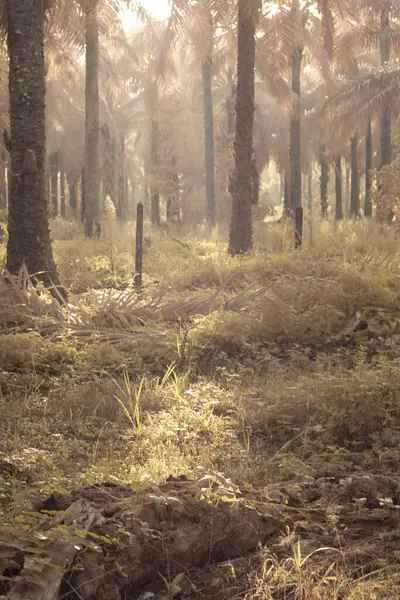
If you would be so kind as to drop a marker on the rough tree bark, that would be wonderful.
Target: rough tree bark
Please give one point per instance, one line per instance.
(338, 189)
(209, 157)
(241, 230)
(355, 179)
(92, 138)
(368, 167)
(28, 219)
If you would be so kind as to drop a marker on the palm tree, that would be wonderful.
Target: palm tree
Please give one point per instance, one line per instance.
(65, 116)
(386, 118)
(63, 208)
(241, 231)
(295, 126)
(202, 17)
(54, 184)
(209, 155)
(355, 178)
(98, 16)
(154, 153)
(28, 220)
(368, 168)
(92, 135)
(324, 180)
(119, 81)
(338, 189)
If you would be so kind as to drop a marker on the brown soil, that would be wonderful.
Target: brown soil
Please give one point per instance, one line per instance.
(182, 527)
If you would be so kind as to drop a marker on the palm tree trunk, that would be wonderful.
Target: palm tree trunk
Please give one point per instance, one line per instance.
(295, 134)
(230, 131)
(3, 185)
(231, 114)
(133, 197)
(324, 182)
(8, 182)
(338, 189)
(154, 193)
(386, 136)
(255, 181)
(83, 194)
(54, 184)
(386, 118)
(73, 180)
(241, 230)
(28, 218)
(286, 194)
(108, 164)
(146, 199)
(368, 167)
(173, 202)
(114, 174)
(309, 190)
(62, 194)
(47, 183)
(355, 179)
(127, 198)
(92, 140)
(209, 157)
(281, 185)
(122, 204)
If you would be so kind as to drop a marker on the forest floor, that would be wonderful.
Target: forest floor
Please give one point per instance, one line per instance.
(233, 432)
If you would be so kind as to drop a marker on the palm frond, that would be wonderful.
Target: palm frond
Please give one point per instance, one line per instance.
(363, 97)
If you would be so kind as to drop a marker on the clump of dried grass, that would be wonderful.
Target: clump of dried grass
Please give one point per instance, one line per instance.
(22, 302)
(326, 407)
(75, 431)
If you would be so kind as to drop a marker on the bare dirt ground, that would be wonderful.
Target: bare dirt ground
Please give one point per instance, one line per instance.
(210, 539)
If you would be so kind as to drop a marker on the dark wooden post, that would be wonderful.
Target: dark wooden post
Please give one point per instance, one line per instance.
(139, 246)
(298, 227)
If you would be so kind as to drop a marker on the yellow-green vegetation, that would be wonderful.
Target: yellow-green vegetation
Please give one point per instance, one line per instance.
(268, 368)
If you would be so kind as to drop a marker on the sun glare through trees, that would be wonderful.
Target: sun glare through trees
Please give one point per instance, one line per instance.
(199, 300)
(159, 9)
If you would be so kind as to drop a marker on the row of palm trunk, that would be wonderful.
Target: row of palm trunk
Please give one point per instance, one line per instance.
(29, 236)
(352, 183)
(28, 212)
(29, 240)
(241, 226)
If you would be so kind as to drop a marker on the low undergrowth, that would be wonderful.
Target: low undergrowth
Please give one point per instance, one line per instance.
(273, 367)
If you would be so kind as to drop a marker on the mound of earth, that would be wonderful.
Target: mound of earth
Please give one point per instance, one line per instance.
(109, 542)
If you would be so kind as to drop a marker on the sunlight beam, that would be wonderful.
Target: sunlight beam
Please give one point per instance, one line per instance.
(159, 9)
